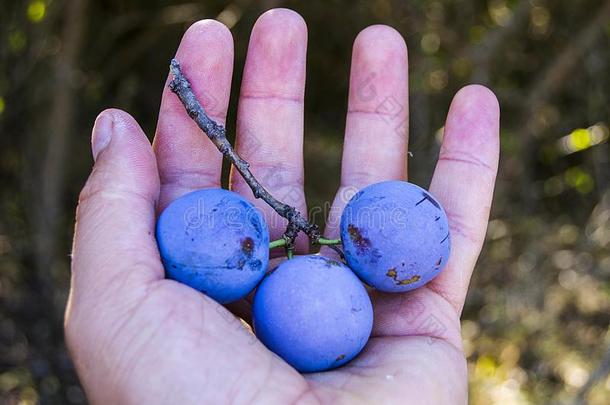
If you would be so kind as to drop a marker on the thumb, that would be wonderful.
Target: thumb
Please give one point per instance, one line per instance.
(114, 242)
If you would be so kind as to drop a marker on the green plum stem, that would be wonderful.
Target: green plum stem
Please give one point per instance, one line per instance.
(277, 243)
(324, 241)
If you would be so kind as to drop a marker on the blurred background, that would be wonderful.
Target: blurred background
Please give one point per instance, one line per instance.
(535, 325)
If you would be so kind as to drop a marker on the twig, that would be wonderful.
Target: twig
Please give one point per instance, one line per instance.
(217, 134)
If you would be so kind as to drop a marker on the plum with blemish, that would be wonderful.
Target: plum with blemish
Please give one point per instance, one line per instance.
(313, 312)
(395, 236)
(214, 241)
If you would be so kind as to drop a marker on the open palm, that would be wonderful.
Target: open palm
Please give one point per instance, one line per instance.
(136, 337)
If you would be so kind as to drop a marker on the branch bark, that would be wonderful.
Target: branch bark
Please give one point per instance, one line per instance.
(217, 134)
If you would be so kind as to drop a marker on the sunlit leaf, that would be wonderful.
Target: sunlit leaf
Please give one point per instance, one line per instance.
(583, 138)
(579, 179)
(16, 41)
(36, 11)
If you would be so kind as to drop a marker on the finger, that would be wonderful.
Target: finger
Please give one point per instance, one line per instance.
(376, 133)
(187, 159)
(270, 115)
(114, 241)
(464, 182)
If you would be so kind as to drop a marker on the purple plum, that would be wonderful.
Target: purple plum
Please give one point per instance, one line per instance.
(395, 236)
(214, 241)
(313, 312)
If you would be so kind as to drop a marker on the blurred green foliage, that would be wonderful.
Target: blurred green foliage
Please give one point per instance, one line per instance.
(535, 325)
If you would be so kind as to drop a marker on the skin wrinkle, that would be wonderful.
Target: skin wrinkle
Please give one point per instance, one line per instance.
(98, 186)
(234, 393)
(459, 228)
(89, 230)
(376, 113)
(398, 320)
(138, 274)
(466, 158)
(307, 391)
(359, 180)
(185, 353)
(297, 99)
(268, 356)
(103, 348)
(332, 395)
(169, 317)
(104, 194)
(433, 287)
(131, 355)
(89, 226)
(189, 178)
(396, 367)
(131, 277)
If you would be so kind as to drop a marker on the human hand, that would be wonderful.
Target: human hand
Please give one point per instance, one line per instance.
(136, 337)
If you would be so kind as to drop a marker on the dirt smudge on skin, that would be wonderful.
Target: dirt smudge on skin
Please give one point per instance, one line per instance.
(330, 263)
(244, 256)
(393, 274)
(247, 246)
(360, 241)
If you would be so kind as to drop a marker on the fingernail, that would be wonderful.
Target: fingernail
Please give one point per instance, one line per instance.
(102, 134)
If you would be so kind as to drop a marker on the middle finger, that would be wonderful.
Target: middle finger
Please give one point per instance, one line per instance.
(270, 114)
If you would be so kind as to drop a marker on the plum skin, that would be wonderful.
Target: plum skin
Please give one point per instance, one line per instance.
(313, 312)
(395, 236)
(214, 241)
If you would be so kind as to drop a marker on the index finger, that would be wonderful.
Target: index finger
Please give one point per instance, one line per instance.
(187, 159)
